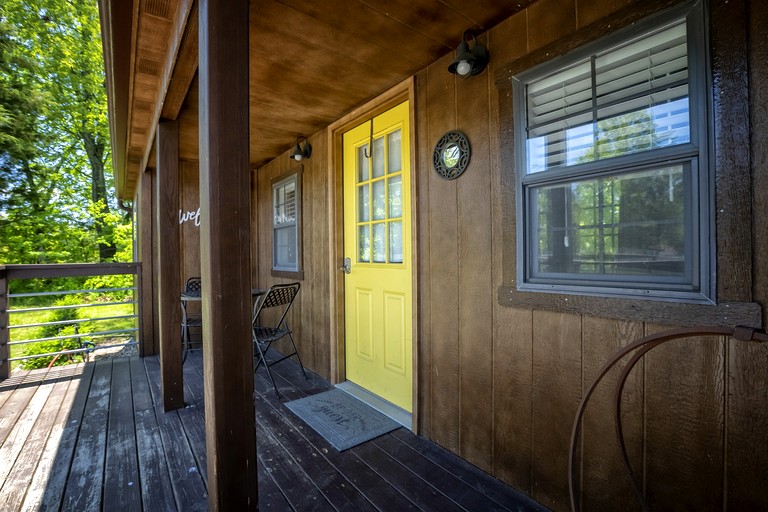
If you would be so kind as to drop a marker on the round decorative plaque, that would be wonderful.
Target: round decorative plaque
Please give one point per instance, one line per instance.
(451, 155)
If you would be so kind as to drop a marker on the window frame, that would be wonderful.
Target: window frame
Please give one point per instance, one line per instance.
(294, 175)
(699, 208)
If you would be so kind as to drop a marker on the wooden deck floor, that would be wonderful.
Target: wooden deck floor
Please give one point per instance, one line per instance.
(91, 437)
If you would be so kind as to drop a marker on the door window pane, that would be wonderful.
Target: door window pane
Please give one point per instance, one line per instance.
(379, 200)
(395, 160)
(395, 197)
(379, 242)
(362, 164)
(364, 244)
(363, 214)
(396, 242)
(378, 157)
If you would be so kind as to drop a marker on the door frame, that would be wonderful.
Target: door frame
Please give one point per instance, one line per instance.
(404, 91)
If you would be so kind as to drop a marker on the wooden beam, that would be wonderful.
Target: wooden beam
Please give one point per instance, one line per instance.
(144, 239)
(116, 45)
(185, 68)
(174, 45)
(167, 264)
(49, 270)
(230, 423)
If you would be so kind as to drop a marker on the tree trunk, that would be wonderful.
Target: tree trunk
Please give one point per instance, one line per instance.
(94, 148)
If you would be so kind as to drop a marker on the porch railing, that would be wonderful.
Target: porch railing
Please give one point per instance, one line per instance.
(57, 312)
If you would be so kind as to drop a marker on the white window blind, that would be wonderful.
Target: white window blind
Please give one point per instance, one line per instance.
(627, 99)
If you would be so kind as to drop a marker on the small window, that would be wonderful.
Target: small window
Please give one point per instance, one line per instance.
(613, 182)
(286, 218)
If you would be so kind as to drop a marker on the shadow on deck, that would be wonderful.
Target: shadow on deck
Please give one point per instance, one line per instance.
(91, 437)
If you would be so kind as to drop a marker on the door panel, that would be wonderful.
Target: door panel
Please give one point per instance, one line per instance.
(377, 239)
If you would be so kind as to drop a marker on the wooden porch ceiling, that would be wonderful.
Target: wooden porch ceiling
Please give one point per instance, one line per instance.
(311, 63)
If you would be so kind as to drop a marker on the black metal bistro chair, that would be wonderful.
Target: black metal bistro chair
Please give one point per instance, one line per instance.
(192, 292)
(279, 299)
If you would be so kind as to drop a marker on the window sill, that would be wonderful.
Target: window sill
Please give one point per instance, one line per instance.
(288, 274)
(679, 314)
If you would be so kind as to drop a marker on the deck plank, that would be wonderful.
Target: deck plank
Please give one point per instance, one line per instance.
(412, 487)
(463, 470)
(156, 488)
(384, 468)
(337, 489)
(192, 416)
(86, 475)
(377, 491)
(296, 486)
(458, 491)
(270, 496)
(293, 386)
(15, 486)
(14, 407)
(9, 385)
(97, 432)
(188, 486)
(17, 437)
(47, 487)
(121, 472)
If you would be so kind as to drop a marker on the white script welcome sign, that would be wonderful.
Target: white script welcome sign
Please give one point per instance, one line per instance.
(190, 216)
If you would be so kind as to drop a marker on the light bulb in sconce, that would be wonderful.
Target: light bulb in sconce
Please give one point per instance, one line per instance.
(469, 61)
(463, 68)
(300, 153)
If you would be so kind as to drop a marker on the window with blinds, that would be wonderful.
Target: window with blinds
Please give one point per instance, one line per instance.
(285, 243)
(628, 99)
(611, 151)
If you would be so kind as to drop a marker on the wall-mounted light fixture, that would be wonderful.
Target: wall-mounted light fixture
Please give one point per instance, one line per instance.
(300, 153)
(469, 62)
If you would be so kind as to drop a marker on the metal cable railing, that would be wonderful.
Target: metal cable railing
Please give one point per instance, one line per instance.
(52, 323)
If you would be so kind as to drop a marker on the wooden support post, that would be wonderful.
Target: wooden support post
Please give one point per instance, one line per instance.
(225, 260)
(168, 263)
(144, 246)
(5, 353)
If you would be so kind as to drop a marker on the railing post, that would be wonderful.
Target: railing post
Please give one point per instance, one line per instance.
(5, 365)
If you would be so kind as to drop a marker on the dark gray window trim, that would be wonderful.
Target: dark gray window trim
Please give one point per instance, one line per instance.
(276, 272)
(693, 154)
(732, 252)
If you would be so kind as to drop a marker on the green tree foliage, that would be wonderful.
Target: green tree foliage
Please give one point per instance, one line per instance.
(54, 138)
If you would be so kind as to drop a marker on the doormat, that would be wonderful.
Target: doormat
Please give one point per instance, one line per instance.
(342, 420)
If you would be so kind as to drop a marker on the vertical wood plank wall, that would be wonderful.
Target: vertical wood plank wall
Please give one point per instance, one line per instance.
(309, 317)
(189, 201)
(500, 386)
(681, 421)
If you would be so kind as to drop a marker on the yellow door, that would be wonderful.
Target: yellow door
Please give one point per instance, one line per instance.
(377, 241)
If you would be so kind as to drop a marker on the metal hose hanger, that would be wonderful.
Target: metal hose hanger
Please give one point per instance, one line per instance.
(370, 143)
(642, 347)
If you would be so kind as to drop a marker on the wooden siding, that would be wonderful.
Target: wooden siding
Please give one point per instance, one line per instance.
(680, 417)
(309, 316)
(500, 385)
(189, 202)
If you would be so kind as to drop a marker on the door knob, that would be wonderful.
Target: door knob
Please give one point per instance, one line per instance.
(347, 266)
